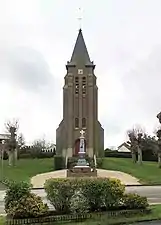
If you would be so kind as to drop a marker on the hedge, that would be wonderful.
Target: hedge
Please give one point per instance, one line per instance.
(59, 162)
(36, 155)
(73, 199)
(29, 155)
(147, 156)
(100, 194)
(117, 154)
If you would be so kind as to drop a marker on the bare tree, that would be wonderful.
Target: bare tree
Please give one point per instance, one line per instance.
(158, 133)
(135, 137)
(11, 144)
(40, 144)
(157, 147)
(132, 142)
(20, 141)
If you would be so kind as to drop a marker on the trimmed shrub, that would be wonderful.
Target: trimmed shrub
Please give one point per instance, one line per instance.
(114, 191)
(29, 206)
(15, 191)
(102, 192)
(31, 152)
(117, 154)
(5, 155)
(99, 162)
(98, 192)
(41, 155)
(147, 155)
(72, 161)
(78, 204)
(59, 193)
(59, 162)
(135, 201)
(93, 190)
(38, 156)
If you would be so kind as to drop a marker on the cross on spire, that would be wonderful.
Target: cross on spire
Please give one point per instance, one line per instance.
(80, 19)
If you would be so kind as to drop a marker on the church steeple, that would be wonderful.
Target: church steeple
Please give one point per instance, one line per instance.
(80, 106)
(80, 53)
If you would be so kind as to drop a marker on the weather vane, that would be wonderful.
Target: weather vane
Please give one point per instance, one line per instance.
(80, 19)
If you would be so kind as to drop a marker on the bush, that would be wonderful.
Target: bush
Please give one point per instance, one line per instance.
(114, 192)
(98, 192)
(135, 201)
(78, 204)
(59, 193)
(117, 154)
(102, 192)
(27, 207)
(31, 152)
(147, 155)
(72, 161)
(5, 155)
(99, 162)
(93, 190)
(59, 162)
(41, 155)
(15, 191)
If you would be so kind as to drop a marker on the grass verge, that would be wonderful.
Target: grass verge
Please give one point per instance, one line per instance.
(147, 173)
(2, 220)
(26, 168)
(154, 215)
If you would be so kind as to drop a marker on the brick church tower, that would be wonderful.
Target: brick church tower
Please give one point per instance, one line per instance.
(80, 106)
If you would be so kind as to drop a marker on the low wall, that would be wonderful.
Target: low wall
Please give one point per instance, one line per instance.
(76, 217)
(70, 173)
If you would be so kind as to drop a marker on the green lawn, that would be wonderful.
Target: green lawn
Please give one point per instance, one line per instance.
(155, 215)
(2, 220)
(148, 173)
(26, 168)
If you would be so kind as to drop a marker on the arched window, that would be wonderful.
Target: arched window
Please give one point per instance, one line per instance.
(84, 122)
(76, 123)
(76, 85)
(84, 85)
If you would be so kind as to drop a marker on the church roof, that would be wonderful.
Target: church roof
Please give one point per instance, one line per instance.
(80, 53)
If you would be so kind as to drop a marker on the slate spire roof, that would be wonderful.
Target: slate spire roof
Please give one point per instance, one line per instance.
(80, 53)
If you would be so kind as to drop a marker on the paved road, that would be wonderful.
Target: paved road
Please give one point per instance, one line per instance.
(147, 223)
(153, 193)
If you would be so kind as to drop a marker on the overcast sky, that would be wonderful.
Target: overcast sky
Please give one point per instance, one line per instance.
(37, 39)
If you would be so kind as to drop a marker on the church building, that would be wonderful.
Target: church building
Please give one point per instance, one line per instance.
(80, 106)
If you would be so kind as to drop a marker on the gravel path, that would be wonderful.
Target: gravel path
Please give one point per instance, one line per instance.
(39, 180)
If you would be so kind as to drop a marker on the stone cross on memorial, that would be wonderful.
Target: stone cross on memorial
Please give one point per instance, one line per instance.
(82, 132)
(82, 144)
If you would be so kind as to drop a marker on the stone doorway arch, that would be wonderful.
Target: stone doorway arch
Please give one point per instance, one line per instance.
(77, 145)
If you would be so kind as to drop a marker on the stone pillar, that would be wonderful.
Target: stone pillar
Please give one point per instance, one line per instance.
(90, 116)
(70, 118)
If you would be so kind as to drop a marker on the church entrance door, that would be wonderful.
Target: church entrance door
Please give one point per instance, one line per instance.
(76, 146)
